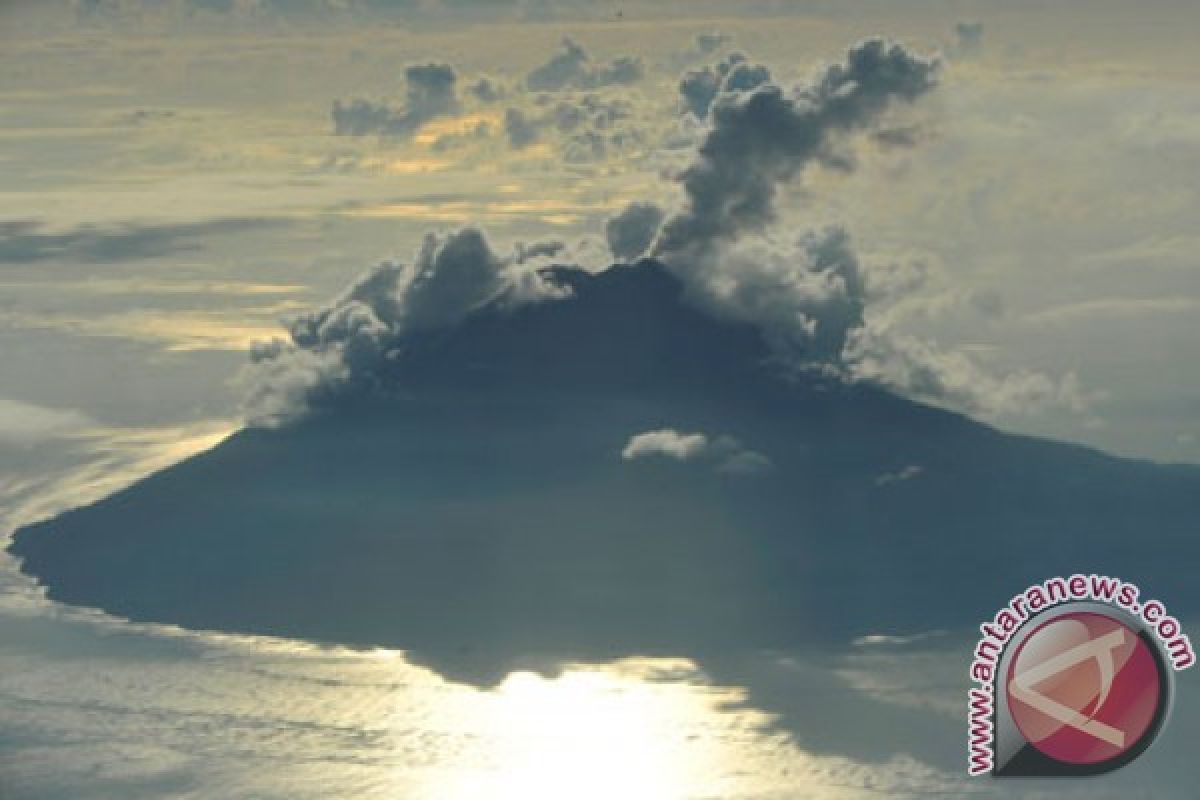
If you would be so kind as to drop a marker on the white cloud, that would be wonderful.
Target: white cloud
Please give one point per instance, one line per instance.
(665, 442)
(725, 453)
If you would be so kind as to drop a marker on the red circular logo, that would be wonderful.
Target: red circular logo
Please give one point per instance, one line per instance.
(1084, 688)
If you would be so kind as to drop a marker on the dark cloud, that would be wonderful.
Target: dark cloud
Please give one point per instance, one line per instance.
(486, 90)
(742, 77)
(431, 89)
(630, 233)
(763, 138)
(570, 68)
(23, 241)
(519, 128)
(700, 87)
(430, 93)
(568, 117)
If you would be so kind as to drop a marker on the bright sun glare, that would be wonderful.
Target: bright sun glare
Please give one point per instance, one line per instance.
(590, 734)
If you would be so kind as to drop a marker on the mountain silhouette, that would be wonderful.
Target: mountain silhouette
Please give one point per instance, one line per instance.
(480, 515)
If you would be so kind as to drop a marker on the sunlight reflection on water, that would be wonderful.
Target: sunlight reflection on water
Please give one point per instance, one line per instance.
(90, 707)
(94, 707)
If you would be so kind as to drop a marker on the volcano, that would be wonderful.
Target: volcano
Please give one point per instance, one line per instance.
(485, 511)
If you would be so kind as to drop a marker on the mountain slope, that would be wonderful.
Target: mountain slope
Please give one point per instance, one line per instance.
(481, 515)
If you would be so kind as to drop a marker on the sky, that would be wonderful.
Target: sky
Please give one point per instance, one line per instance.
(177, 183)
(184, 179)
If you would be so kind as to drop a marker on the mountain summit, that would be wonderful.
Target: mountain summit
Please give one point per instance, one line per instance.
(615, 472)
